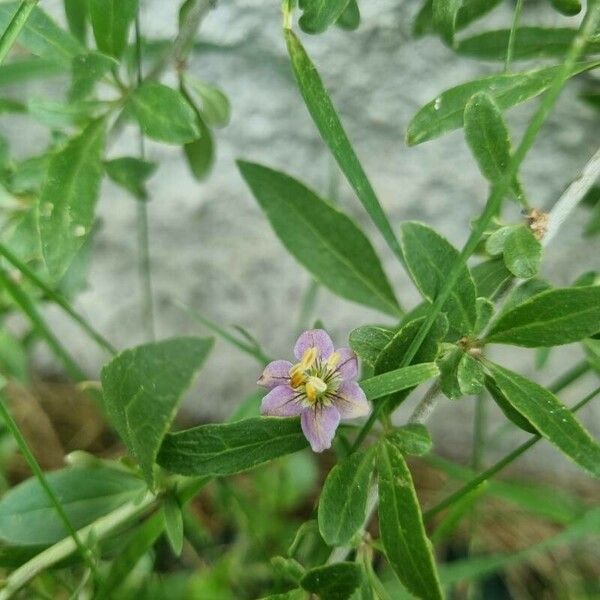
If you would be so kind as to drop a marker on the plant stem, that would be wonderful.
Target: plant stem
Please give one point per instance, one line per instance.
(145, 266)
(58, 299)
(11, 33)
(426, 406)
(499, 191)
(513, 35)
(39, 474)
(496, 468)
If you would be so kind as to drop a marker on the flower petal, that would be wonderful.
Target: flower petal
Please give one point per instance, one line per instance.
(275, 373)
(314, 338)
(319, 425)
(348, 365)
(281, 401)
(351, 401)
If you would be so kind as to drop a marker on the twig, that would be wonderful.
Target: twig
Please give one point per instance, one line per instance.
(11, 33)
(426, 406)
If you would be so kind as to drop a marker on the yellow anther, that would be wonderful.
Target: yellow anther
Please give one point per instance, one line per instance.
(308, 358)
(333, 361)
(314, 387)
(297, 376)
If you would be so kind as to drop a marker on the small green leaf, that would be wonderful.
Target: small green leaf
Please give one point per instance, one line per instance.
(470, 375)
(143, 387)
(30, 69)
(445, 112)
(28, 517)
(323, 113)
(429, 258)
(552, 318)
(444, 14)
(173, 523)
(111, 20)
(399, 379)
(200, 154)
(337, 581)
(164, 114)
(322, 238)
(318, 15)
(512, 414)
(350, 18)
(494, 244)
(448, 366)
(570, 8)
(77, 12)
(549, 416)
(231, 447)
(491, 277)
(87, 70)
(68, 197)
(343, 501)
(523, 292)
(411, 439)
(57, 115)
(368, 342)
(216, 109)
(401, 526)
(485, 312)
(522, 252)
(131, 173)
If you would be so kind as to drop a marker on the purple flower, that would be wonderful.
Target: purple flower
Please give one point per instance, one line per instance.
(321, 387)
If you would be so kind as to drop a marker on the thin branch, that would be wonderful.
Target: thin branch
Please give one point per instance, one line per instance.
(11, 33)
(426, 406)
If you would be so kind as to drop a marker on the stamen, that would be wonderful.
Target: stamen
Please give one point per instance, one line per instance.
(314, 387)
(308, 358)
(333, 361)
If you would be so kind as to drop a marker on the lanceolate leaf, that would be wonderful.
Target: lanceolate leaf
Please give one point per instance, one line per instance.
(429, 258)
(368, 341)
(401, 526)
(400, 379)
(131, 173)
(445, 112)
(111, 20)
(76, 12)
(444, 18)
(322, 238)
(231, 447)
(68, 197)
(142, 390)
(490, 277)
(318, 15)
(87, 70)
(412, 438)
(552, 318)
(333, 582)
(343, 501)
(549, 416)
(350, 18)
(328, 123)
(512, 414)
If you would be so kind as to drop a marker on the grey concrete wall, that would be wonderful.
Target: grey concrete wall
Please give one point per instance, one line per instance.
(213, 249)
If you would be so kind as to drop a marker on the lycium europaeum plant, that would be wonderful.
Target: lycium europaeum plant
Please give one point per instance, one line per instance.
(94, 528)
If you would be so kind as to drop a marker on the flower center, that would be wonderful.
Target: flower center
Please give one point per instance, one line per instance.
(315, 380)
(314, 388)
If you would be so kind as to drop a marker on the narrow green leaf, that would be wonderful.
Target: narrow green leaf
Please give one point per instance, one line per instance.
(368, 342)
(399, 379)
(323, 113)
(343, 501)
(58, 115)
(429, 258)
(131, 173)
(506, 407)
(549, 416)
(401, 526)
(28, 69)
(333, 582)
(412, 438)
(77, 13)
(230, 448)
(445, 112)
(318, 15)
(490, 277)
(552, 318)
(87, 69)
(445, 13)
(569, 8)
(28, 517)
(42, 36)
(350, 18)
(68, 197)
(523, 292)
(164, 114)
(448, 365)
(173, 523)
(322, 238)
(215, 106)
(111, 20)
(485, 312)
(522, 252)
(143, 387)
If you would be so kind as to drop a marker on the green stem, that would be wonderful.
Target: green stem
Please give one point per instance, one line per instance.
(499, 191)
(58, 299)
(39, 474)
(28, 307)
(513, 35)
(11, 33)
(496, 468)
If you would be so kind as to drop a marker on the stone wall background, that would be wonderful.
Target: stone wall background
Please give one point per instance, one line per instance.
(213, 249)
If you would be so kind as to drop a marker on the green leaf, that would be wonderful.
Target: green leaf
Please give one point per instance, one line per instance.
(111, 20)
(568, 8)
(522, 252)
(506, 407)
(87, 70)
(350, 18)
(200, 154)
(552, 318)
(549, 416)
(333, 582)
(58, 115)
(448, 365)
(401, 526)
(230, 448)
(523, 292)
(494, 244)
(28, 517)
(216, 109)
(328, 123)
(131, 173)
(164, 114)
(143, 387)
(490, 277)
(322, 238)
(399, 379)
(77, 13)
(412, 438)
(530, 43)
(13, 357)
(445, 112)
(368, 341)
(68, 197)
(42, 36)
(28, 69)
(470, 375)
(173, 523)
(343, 501)
(318, 15)
(429, 258)
(485, 312)
(445, 13)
